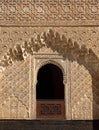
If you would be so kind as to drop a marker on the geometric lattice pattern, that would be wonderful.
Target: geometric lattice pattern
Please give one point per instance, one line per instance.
(23, 19)
(14, 91)
(81, 92)
(49, 12)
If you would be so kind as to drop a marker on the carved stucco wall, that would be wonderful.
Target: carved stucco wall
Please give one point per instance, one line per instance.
(81, 92)
(49, 13)
(9, 36)
(14, 81)
(14, 91)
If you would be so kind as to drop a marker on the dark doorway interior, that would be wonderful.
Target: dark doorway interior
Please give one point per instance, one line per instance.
(50, 83)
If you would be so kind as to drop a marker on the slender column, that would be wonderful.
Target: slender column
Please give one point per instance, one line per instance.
(68, 90)
(32, 89)
(34, 78)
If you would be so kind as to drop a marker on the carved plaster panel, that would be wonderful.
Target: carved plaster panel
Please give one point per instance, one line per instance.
(14, 91)
(24, 58)
(49, 13)
(10, 36)
(81, 92)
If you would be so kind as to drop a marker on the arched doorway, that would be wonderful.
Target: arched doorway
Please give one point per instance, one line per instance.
(50, 92)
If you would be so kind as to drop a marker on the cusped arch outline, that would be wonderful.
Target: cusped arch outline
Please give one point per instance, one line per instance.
(43, 63)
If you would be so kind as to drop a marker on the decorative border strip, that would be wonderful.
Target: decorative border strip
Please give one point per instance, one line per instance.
(49, 12)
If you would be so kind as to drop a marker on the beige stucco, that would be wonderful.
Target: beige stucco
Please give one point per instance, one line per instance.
(72, 46)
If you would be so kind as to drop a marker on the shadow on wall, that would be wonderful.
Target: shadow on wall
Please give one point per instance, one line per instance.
(67, 49)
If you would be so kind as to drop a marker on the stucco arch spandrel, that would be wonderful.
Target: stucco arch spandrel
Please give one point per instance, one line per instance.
(57, 42)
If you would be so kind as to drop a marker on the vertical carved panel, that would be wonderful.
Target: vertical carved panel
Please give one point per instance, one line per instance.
(81, 92)
(14, 91)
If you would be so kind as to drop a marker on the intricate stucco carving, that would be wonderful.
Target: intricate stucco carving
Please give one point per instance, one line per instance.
(69, 49)
(49, 13)
(9, 36)
(81, 92)
(14, 91)
(66, 47)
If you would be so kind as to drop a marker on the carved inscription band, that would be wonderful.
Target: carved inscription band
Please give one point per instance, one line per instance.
(49, 12)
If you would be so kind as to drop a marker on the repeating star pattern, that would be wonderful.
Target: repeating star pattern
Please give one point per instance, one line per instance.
(49, 12)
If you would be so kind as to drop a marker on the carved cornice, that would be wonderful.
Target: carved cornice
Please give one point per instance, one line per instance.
(49, 12)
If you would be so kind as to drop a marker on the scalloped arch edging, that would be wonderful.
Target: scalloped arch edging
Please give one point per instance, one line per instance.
(57, 42)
